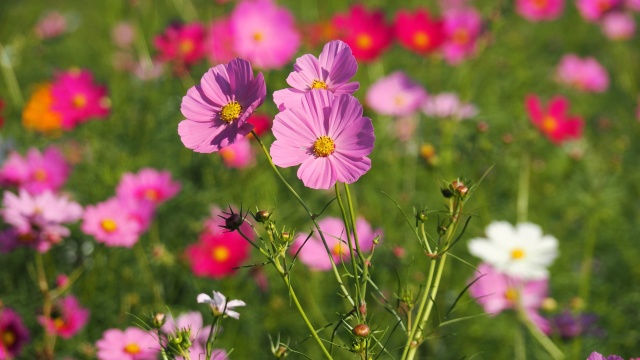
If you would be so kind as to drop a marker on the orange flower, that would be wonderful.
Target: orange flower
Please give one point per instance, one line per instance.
(37, 114)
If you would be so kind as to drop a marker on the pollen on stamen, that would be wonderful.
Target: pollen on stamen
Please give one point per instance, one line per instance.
(231, 111)
(549, 124)
(517, 254)
(324, 146)
(421, 39)
(319, 84)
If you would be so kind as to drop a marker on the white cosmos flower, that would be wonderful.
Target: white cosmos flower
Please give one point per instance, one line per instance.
(521, 251)
(219, 304)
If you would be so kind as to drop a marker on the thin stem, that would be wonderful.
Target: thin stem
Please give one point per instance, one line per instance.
(10, 77)
(523, 187)
(348, 226)
(363, 263)
(519, 350)
(546, 343)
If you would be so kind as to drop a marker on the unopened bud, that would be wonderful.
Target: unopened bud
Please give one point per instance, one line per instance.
(281, 352)
(262, 216)
(233, 222)
(446, 193)
(422, 215)
(286, 236)
(549, 304)
(361, 330)
(158, 320)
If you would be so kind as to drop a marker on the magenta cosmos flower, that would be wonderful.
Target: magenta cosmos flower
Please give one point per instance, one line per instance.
(618, 25)
(264, 33)
(597, 356)
(327, 135)
(593, 10)
(365, 32)
(418, 31)
(67, 319)
(584, 74)
(395, 95)
(219, 42)
(148, 185)
(331, 71)
(182, 44)
(217, 110)
(218, 256)
(130, 344)
(37, 172)
(238, 155)
(554, 122)
(13, 334)
(110, 223)
(539, 10)
(462, 28)
(77, 98)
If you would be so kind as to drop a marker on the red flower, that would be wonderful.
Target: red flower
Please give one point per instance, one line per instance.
(365, 32)
(554, 121)
(418, 32)
(261, 123)
(217, 256)
(182, 44)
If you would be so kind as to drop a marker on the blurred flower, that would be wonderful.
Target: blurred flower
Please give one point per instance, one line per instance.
(219, 304)
(593, 10)
(539, 10)
(395, 95)
(219, 42)
(148, 185)
(67, 318)
(37, 172)
(496, 291)
(321, 32)
(199, 334)
(261, 123)
(264, 33)
(327, 136)
(123, 34)
(331, 71)
(313, 253)
(217, 110)
(632, 5)
(417, 31)
(13, 334)
(554, 122)
(131, 344)
(77, 98)
(110, 223)
(448, 106)
(365, 32)
(520, 251)
(597, 356)
(618, 25)
(53, 24)
(583, 74)
(38, 113)
(219, 255)
(462, 29)
(181, 44)
(150, 71)
(569, 325)
(238, 155)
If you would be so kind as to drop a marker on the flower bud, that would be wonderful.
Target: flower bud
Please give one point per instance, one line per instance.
(158, 320)
(262, 216)
(233, 222)
(286, 236)
(361, 330)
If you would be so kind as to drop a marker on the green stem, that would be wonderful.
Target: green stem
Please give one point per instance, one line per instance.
(523, 187)
(520, 352)
(347, 226)
(10, 78)
(363, 262)
(546, 343)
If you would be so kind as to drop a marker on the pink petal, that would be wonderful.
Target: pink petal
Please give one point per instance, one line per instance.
(317, 173)
(307, 70)
(287, 98)
(349, 169)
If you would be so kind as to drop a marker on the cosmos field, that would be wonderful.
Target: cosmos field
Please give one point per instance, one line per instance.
(256, 179)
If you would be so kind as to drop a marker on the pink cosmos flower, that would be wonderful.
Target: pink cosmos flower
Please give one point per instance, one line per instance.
(148, 71)
(314, 254)
(539, 10)
(181, 44)
(36, 173)
(218, 256)
(111, 224)
(148, 185)
(365, 32)
(593, 10)
(261, 123)
(583, 74)
(395, 95)
(77, 98)
(220, 305)
(618, 25)
(331, 71)
(418, 32)
(53, 24)
(123, 34)
(131, 344)
(264, 33)
(554, 122)
(13, 334)
(497, 292)
(217, 110)
(67, 318)
(448, 106)
(193, 320)
(327, 135)
(238, 155)
(462, 29)
(597, 356)
(220, 41)
(633, 5)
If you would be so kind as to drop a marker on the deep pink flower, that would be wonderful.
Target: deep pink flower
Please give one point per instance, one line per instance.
(110, 223)
(264, 33)
(583, 74)
(314, 254)
(593, 10)
(220, 42)
(13, 334)
(53, 24)
(327, 135)
(540, 10)
(238, 155)
(554, 122)
(331, 71)
(131, 344)
(148, 185)
(181, 44)
(418, 31)
(365, 32)
(448, 106)
(597, 356)
(218, 256)
(261, 123)
(67, 319)
(37, 172)
(395, 95)
(618, 25)
(497, 292)
(77, 98)
(462, 29)
(217, 110)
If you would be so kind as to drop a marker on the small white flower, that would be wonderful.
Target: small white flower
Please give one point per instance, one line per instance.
(219, 304)
(521, 251)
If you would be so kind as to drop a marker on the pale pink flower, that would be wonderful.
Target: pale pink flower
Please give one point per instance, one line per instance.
(220, 41)
(238, 155)
(618, 25)
(593, 10)
(220, 306)
(264, 33)
(148, 71)
(68, 318)
(217, 110)
(131, 344)
(448, 106)
(148, 185)
(395, 95)
(327, 135)
(190, 320)
(331, 71)
(462, 29)
(37, 172)
(53, 24)
(540, 10)
(632, 4)
(111, 224)
(583, 74)
(123, 34)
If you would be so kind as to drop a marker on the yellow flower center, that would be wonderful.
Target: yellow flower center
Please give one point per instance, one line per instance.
(220, 253)
(540, 4)
(257, 37)
(231, 111)
(338, 249)
(399, 100)
(58, 323)
(549, 124)
(132, 349)
(421, 39)
(186, 46)
(461, 36)
(364, 41)
(40, 175)
(511, 294)
(151, 194)
(324, 146)
(79, 101)
(109, 225)
(319, 84)
(227, 154)
(8, 338)
(517, 254)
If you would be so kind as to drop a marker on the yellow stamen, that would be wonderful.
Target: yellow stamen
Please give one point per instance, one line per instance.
(364, 41)
(220, 253)
(338, 249)
(79, 101)
(231, 111)
(258, 37)
(319, 84)
(8, 338)
(511, 294)
(58, 323)
(109, 225)
(540, 4)
(517, 254)
(421, 39)
(549, 124)
(461, 36)
(324, 146)
(40, 175)
(186, 46)
(151, 194)
(132, 349)
(227, 154)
